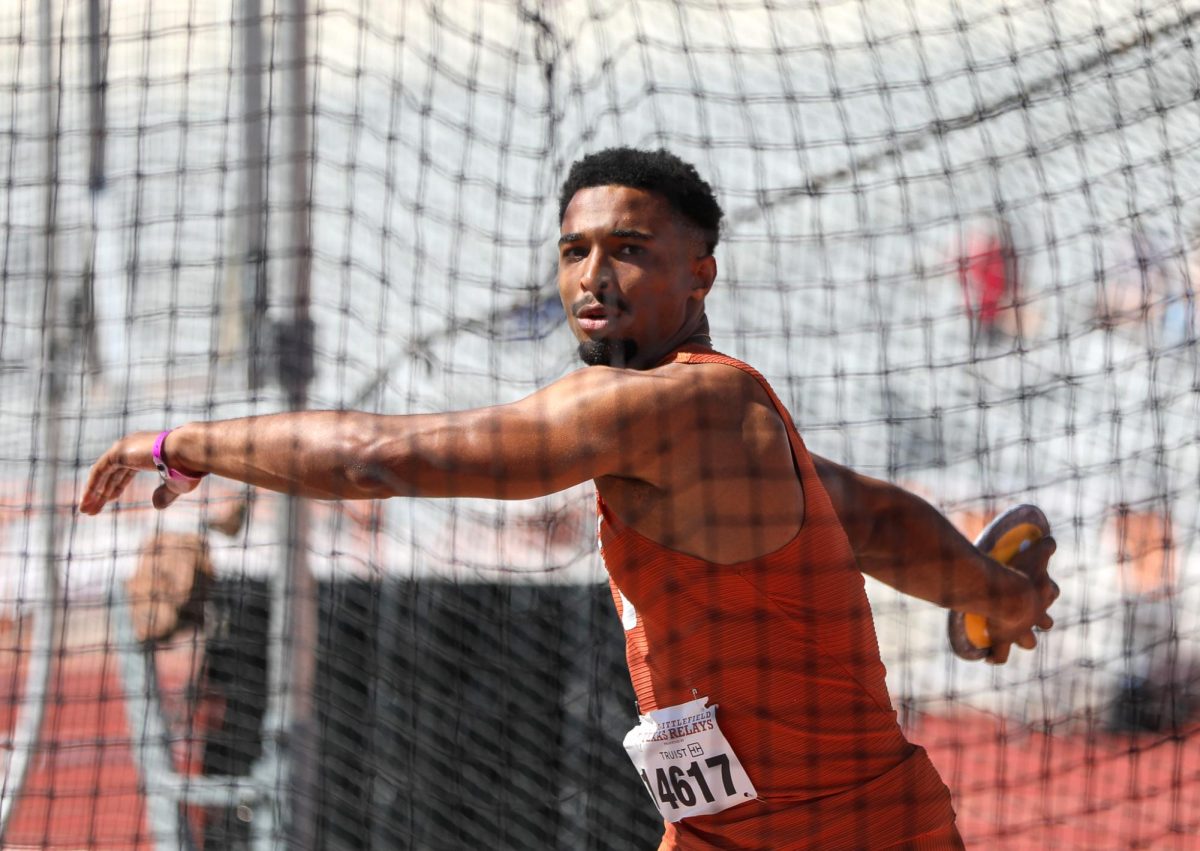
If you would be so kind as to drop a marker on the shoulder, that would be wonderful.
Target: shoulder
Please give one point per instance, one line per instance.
(714, 388)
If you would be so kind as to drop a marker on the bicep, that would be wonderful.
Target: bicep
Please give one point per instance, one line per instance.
(883, 522)
(855, 498)
(580, 428)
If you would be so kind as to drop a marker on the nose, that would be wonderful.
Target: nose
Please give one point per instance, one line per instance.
(595, 274)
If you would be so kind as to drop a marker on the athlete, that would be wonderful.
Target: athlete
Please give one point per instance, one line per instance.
(735, 555)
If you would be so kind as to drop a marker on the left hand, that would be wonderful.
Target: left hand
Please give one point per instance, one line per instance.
(1016, 623)
(115, 469)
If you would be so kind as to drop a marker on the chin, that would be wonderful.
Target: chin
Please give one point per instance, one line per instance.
(618, 353)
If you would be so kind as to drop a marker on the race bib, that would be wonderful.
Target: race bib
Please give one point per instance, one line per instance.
(687, 765)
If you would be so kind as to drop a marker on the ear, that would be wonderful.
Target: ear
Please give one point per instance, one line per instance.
(704, 273)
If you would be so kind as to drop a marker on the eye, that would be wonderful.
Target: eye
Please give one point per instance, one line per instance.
(574, 252)
(631, 250)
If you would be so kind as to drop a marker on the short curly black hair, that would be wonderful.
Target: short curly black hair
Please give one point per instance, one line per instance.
(660, 172)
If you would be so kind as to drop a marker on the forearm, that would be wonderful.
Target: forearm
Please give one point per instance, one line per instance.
(915, 549)
(355, 455)
(316, 454)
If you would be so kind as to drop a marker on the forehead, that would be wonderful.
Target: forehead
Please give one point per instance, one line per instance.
(616, 207)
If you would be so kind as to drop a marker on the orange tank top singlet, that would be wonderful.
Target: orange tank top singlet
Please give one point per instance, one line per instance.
(785, 645)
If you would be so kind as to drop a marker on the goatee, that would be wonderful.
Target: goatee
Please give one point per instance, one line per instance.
(619, 353)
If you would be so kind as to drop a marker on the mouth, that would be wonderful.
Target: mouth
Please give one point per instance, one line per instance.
(593, 318)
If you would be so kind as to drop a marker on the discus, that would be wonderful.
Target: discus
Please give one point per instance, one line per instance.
(1012, 532)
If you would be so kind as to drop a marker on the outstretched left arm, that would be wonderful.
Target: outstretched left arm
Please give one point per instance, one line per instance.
(903, 541)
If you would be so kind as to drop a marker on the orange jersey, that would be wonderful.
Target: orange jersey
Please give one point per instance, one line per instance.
(785, 646)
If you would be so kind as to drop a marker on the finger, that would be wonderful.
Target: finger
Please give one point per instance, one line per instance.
(999, 654)
(87, 504)
(1045, 622)
(98, 480)
(93, 478)
(116, 483)
(108, 487)
(1027, 640)
(1034, 560)
(1039, 553)
(163, 496)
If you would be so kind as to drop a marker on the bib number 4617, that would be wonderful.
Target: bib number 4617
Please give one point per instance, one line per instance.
(686, 763)
(676, 785)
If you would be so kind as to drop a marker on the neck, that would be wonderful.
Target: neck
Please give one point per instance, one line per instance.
(695, 335)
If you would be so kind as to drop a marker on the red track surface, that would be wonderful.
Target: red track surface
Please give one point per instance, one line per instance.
(1013, 789)
(1022, 790)
(82, 791)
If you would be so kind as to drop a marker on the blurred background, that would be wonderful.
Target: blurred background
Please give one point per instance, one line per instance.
(962, 242)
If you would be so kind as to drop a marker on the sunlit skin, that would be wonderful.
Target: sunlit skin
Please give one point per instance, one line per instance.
(630, 268)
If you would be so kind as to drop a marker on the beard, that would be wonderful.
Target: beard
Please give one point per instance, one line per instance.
(619, 353)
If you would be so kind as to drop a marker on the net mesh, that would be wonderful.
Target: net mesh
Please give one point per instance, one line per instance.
(962, 244)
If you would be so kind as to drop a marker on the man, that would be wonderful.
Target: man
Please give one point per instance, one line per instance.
(734, 554)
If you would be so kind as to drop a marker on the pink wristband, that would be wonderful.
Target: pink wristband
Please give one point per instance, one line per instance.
(168, 474)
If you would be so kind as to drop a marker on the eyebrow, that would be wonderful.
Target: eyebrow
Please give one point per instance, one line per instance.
(628, 233)
(619, 233)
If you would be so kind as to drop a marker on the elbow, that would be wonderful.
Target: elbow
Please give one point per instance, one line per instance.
(366, 473)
